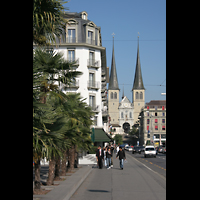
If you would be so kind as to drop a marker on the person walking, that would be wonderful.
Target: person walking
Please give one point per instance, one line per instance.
(108, 157)
(122, 156)
(104, 151)
(100, 157)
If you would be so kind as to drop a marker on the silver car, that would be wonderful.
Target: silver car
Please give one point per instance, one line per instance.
(128, 148)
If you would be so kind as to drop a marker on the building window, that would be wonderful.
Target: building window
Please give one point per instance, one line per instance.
(91, 58)
(147, 128)
(147, 121)
(71, 35)
(92, 102)
(148, 114)
(71, 55)
(90, 37)
(163, 107)
(95, 120)
(115, 95)
(130, 114)
(122, 115)
(155, 113)
(137, 95)
(91, 80)
(163, 121)
(156, 128)
(163, 128)
(141, 95)
(163, 114)
(147, 107)
(156, 120)
(111, 95)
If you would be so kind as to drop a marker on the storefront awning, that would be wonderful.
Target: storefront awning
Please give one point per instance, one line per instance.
(99, 135)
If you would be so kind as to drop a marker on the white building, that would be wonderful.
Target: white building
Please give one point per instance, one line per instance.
(81, 42)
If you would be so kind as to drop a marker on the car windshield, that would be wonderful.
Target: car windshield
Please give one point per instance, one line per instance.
(136, 147)
(149, 149)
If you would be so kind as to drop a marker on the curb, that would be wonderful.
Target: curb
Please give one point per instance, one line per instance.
(68, 187)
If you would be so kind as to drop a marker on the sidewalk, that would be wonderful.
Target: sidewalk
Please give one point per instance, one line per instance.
(135, 181)
(66, 188)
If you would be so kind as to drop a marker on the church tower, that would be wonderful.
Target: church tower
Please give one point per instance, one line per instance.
(113, 92)
(138, 89)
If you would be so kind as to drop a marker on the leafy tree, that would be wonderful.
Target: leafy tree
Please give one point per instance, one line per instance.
(118, 139)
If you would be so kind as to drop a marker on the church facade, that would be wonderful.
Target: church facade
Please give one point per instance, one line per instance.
(123, 115)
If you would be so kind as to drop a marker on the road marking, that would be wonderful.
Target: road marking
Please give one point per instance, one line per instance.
(148, 168)
(150, 162)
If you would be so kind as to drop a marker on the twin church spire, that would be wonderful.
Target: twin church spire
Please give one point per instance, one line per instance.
(113, 81)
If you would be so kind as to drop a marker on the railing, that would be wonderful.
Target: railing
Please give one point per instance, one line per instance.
(93, 63)
(95, 108)
(93, 84)
(76, 40)
(74, 84)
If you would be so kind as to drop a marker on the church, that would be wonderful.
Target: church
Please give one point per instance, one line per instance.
(123, 115)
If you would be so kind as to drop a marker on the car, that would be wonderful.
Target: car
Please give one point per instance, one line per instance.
(160, 149)
(136, 150)
(123, 145)
(128, 148)
(150, 151)
(142, 148)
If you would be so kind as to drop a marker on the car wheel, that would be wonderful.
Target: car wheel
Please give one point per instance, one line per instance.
(155, 156)
(145, 155)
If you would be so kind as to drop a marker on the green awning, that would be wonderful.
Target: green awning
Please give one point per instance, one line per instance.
(99, 135)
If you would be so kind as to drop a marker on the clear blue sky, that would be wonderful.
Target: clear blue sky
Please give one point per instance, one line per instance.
(126, 18)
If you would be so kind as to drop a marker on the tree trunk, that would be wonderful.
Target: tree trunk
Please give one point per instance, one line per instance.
(51, 173)
(71, 158)
(63, 165)
(76, 157)
(57, 168)
(37, 175)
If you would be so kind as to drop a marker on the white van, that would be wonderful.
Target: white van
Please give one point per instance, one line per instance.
(149, 151)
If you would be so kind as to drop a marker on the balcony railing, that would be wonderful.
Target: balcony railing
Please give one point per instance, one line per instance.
(76, 40)
(93, 63)
(74, 84)
(93, 85)
(95, 108)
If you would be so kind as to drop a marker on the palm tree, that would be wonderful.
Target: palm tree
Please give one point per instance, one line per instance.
(45, 67)
(48, 21)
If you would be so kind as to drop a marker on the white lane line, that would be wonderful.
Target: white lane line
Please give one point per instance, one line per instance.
(149, 168)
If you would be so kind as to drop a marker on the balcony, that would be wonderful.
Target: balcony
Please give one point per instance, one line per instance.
(74, 62)
(74, 84)
(95, 108)
(93, 63)
(93, 85)
(69, 40)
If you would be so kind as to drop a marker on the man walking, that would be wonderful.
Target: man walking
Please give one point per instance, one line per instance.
(100, 156)
(121, 154)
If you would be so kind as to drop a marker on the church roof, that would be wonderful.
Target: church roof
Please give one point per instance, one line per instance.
(138, 82)
(113, 82)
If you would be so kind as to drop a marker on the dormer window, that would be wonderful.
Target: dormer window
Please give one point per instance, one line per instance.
(84, 15)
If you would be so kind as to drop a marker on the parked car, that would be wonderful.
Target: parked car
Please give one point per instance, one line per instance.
(136, 150)
(123, 145)
(128, 148)
(163, 149)
(149, 151)
(142, 148)
(160, 149)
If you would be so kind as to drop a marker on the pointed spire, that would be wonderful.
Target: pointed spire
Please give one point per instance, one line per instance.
(123, 92)
(113, 82)
(138, 82)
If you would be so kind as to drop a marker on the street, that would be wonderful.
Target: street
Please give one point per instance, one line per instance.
(141, 178)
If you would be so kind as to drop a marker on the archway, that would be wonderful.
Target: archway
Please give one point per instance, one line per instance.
(126, 127)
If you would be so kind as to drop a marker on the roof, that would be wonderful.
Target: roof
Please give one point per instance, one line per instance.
(113, 82)
(100, 135)
(138, 82)
(156, 103)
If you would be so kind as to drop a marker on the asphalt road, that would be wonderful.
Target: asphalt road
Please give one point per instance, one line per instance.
(136, 181)
(157, 164)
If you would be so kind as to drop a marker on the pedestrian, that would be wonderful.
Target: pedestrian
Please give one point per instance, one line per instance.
(108, 157)
(122, 156)
(117, 148)
(111, 148)
(104, 151)
(100, 157)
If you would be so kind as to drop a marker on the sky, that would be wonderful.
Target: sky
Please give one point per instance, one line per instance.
(126, 18)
